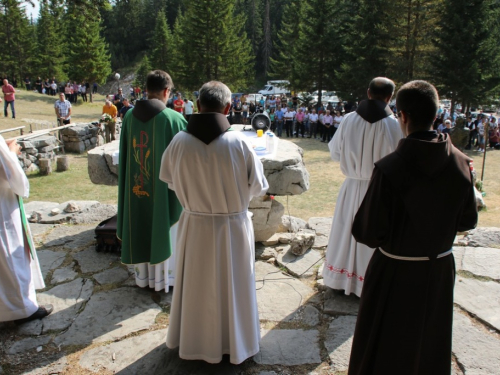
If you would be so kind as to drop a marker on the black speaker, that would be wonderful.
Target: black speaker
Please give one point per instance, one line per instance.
(261, 121)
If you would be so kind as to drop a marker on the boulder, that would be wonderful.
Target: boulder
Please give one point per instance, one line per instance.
(99, 168)
(291, 224)
(43, 140)
(266, 217)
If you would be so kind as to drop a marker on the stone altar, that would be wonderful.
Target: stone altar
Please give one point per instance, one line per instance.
(285, 171)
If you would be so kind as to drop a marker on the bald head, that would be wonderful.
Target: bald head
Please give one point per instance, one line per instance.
(381, 88)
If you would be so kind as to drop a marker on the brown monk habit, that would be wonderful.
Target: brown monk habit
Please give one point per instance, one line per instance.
(419, 197)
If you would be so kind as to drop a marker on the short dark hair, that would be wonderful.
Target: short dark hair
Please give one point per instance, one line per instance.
(157, 81)
(420, 101)
(381, 88)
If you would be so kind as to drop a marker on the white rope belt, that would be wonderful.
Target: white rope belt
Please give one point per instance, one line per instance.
(359, 178)
(211, 214)
(442, 255)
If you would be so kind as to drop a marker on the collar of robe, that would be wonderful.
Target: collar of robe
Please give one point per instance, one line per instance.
(430, 155)
(373, 110)
(207, 126)
(145, 110)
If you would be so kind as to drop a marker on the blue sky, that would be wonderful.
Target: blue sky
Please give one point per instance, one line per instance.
(33, 11)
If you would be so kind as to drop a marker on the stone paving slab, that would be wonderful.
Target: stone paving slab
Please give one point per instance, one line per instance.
(476, 350)
(278, 299)
(320, 242)
(55, 364)
(70, 237)
(338, 341)
(302, 265)
(90, 260)
(113, 275)
(482, 261)
(263, 252)
(483, 237)
(112, 315)
(94, 214)
(64, 274)
(322, 225)
(39, 229)
(50, 260)
(148, 354)
(336, 302)
(479, 298)
(48, 218)
(308, 315)
(28, 344)
(67, 300)
(38, 206)
(458, 253)
(288, 347)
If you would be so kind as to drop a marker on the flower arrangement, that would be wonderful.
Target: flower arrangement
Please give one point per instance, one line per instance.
(106, 117)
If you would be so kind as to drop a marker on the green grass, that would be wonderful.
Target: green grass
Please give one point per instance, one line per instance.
(74, 184)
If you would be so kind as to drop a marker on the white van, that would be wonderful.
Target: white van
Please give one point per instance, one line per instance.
(276, 88)
(253, 98)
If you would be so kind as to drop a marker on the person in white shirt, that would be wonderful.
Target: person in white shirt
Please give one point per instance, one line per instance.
(313, 124)
(329, 130)
(188, 108)
(289, 116)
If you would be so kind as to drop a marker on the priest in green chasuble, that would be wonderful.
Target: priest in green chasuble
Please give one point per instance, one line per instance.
(148, 210)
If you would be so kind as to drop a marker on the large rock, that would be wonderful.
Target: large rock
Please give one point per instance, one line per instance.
(483, 237)
(43, 140)
(286, 172)
(291, 224)
(47, 217)
(100, 164)
(266, 217)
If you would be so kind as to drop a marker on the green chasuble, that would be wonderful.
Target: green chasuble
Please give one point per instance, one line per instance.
(147, 208)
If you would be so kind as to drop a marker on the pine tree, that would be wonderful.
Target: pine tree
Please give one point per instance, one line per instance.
(367, 48)
(284, 65)
(142, 73)
(15, 39)
(316, 56)
(161, 56)
(51, 60)
(467, 59)
(88, 57)
(212, 45)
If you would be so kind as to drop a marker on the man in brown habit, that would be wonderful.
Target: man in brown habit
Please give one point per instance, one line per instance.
(419, 197)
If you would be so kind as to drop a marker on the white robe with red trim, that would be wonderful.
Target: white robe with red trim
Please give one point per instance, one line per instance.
(357, 145)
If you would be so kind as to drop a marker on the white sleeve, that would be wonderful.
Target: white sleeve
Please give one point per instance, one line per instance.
(166, 167)
(335, 145)
(257, 182)
(11, 171)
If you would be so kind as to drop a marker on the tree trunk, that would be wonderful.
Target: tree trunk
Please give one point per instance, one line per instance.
(45, 167)
(62, 163)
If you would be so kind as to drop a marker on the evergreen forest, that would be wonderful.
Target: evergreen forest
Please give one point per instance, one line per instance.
(335, 45)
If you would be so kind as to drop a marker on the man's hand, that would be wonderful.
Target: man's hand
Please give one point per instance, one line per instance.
(13, 146)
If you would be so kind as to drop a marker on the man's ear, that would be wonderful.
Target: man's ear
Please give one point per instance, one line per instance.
(226, 109)
(198, 105)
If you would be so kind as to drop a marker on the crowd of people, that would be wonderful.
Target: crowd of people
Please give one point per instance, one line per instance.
(181, 175)
(71, 89)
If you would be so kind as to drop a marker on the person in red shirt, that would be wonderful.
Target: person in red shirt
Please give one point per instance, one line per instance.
(179, 103)
(9, 97)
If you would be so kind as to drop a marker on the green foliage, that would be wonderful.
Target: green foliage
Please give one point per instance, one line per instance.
(142, 73)
(15, 39)
(467, 58)
(51, 59)
(88, 57)
(162, 51)
(211, 45)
